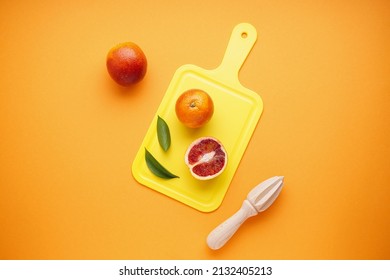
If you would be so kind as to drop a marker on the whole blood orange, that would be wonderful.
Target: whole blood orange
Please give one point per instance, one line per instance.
(126, 63)
(206, 158)
(194, 108)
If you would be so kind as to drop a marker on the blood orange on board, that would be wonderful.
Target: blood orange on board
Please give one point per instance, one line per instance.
(206, 158)
(194, 108)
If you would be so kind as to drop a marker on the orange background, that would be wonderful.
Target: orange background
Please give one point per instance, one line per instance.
(69, 134)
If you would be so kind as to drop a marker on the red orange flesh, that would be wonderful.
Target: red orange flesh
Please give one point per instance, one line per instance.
(206, 158)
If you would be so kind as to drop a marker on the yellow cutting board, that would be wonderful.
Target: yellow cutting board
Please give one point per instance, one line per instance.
(236, 113)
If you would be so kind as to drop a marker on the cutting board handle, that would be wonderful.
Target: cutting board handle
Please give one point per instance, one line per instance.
(242, 39)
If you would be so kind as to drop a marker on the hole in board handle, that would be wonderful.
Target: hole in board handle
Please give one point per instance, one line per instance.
(244, 35)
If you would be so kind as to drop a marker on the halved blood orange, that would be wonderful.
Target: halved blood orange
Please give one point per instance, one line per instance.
(206, 158)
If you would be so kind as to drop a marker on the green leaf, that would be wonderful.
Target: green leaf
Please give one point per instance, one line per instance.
(156, 168)
(163, 134)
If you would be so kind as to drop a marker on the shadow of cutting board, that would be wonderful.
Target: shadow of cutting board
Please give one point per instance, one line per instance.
(236, 114)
